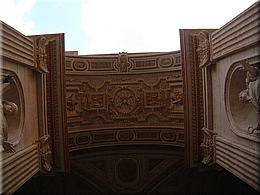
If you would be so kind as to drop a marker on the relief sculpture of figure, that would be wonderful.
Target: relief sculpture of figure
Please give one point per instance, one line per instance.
(123, 62)
(46, 153)
(6, 108)
(252, 93)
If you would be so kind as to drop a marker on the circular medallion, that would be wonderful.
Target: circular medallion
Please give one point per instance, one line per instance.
(13, 101)
(125, 101)
(80, 65)
(166, 61)
(241, 113)
(168, 135)
(83, 139)
(125, 135)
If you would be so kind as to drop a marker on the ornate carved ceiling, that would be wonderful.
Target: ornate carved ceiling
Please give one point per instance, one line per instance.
(131, 98)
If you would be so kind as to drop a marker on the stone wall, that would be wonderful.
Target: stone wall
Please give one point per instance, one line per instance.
(235, 74)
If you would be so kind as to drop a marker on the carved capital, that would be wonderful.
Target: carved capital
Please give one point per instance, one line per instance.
(41, 54)
(208, 145)
(203, 48)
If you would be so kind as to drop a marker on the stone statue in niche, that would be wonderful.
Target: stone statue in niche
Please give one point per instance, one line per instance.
(252, 93)
(6, 108)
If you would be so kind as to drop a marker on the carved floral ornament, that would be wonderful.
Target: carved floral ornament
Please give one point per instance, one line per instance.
(203, 48)
(125, 101)
(242, 98)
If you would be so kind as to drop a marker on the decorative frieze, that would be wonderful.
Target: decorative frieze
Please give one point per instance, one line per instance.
(126, 136)
(122, 63)
(133, 171)
(122, 102)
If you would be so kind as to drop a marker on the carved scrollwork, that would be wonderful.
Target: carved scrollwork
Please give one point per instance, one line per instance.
(45, 153)
(208, 145)
(203, 48)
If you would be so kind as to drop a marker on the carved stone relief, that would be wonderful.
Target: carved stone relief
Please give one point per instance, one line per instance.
(203, 48)
(208, 146)
(40, 53)
(50, 61)
(242, 98)
(193, 53)
(80, 65)
(124, 108)
(166, 61)
(252, 93)
(119, 100)
(6, 108)
(126, 136)
(124, 100)
(12, 111)
(122, 63)
(45, 153)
